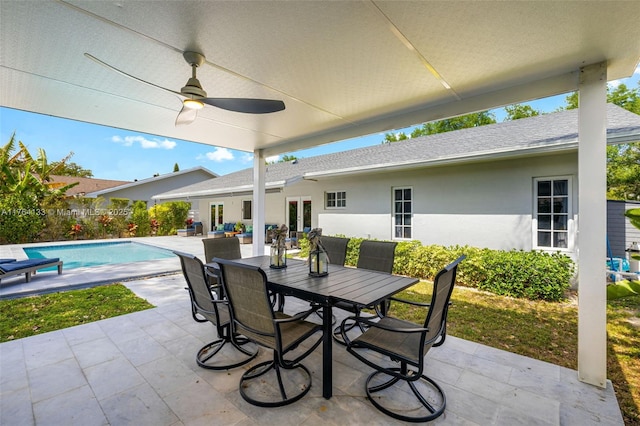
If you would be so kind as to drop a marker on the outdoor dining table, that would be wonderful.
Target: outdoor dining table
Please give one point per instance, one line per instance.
(360, 286)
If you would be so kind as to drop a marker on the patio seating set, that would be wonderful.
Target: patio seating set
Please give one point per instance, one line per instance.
(236, 295)
(192, 229)
(227, 230)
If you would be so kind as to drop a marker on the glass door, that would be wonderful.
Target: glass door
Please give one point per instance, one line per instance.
(216, 214)
(298, 214)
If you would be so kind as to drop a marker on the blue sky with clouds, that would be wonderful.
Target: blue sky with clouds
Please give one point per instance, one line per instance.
(113, 153)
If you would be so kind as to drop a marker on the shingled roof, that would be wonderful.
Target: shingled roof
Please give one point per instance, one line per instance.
(555, 132)
(85, 185)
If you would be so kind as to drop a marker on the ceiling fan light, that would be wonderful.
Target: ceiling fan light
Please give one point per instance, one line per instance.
(193, 104)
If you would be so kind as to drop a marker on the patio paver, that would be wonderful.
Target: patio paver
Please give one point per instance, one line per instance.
(140, 369)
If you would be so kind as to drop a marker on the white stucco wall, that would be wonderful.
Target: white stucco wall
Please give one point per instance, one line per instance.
(483, 204)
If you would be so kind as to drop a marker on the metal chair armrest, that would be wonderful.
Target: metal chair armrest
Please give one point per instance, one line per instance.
(376, 324)
(297, 317)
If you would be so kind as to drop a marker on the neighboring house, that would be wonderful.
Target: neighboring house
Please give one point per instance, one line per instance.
(85, 184)
(512, 185)
(143, 190)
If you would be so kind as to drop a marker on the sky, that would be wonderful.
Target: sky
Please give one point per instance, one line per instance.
(112, 153)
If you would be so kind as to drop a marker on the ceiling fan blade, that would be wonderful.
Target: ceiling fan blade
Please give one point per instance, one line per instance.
(248, 106)
(112, 68)
(186, 116)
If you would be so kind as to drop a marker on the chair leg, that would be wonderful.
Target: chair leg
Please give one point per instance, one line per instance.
(284, 396)
(431, 407)
(206, 355)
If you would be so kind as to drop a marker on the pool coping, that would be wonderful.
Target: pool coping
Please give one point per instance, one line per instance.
(50, 281)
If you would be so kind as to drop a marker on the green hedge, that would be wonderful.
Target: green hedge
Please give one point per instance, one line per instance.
(517, 273)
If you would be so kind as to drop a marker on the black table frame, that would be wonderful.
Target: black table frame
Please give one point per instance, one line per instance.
(359, 286)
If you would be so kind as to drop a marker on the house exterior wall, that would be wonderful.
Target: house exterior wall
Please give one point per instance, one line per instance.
(620, 232)
(275, 209)
(484, 205)
(145, 191)
(481, 204)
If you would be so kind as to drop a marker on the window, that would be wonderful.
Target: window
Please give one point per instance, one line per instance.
(402, 211)
(335, 199)
(552, 206)
(246, 209)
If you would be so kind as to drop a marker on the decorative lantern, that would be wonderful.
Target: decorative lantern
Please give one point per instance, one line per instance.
(318, 263)
(318, 258)
(279, 249)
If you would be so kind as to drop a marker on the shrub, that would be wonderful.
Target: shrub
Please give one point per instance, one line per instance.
(170, 216)
(21, 218)
(140, 217)
(523, 274)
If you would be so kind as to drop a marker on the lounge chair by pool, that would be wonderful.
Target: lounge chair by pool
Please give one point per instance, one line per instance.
(27, 267)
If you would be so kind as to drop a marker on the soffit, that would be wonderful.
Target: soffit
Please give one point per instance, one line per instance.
(343, 69)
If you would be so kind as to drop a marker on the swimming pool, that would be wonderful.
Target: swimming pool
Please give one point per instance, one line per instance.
(98, 254)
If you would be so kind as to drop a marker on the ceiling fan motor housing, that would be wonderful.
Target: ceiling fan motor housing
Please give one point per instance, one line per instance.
(193, 88)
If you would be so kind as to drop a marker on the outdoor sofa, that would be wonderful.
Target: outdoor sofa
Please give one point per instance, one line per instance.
(27, 267)
(194, 229)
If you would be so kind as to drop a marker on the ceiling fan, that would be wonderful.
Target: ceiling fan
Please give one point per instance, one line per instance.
(195, 97)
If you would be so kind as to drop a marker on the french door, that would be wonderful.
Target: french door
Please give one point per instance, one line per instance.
(298, 214)
(216, 214)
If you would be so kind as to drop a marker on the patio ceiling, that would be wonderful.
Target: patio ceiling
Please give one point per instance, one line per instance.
(343, 69)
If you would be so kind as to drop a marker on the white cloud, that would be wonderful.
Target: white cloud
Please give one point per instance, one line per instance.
(219, 155)
(247, 158)
(144, 142)
(272, 159)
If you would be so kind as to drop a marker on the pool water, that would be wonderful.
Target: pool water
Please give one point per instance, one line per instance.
(98, 254)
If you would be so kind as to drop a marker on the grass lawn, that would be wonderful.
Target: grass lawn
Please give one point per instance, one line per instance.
(542, 330)
(40, 314)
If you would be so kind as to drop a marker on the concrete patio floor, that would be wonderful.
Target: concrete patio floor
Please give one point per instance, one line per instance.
(140, 369)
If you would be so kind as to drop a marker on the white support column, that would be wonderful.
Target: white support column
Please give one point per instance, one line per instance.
(592, 230)
(259, 196)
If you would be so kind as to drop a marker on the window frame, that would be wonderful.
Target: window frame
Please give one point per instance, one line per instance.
(535, 228)
(247, 215)
(394, 214)
(336, 200)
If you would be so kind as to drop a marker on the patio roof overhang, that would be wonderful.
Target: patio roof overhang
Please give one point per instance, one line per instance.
(343, 69)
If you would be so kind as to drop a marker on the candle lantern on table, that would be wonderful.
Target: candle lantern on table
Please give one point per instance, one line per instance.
(279, 248)
(318, 258)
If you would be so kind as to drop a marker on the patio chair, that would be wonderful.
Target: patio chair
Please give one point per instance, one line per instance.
(336, 248)
(253, 316)
(405, 343)
(206, 308)
(28, 267)
(376, 256)
(224, 248)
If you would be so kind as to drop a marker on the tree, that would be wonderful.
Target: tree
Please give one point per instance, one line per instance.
(395, 137)
(456, 123)
(517, 111)
(176, 168)
(623, 161)
(285, 158)
(71, 169)
(623, 171)
(622, 96)
(25, 192)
